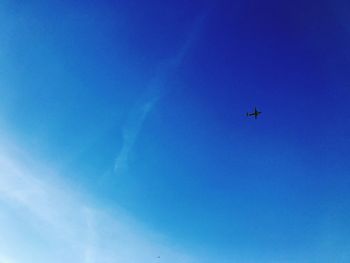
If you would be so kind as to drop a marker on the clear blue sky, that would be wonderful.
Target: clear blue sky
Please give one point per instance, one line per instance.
(124, 135)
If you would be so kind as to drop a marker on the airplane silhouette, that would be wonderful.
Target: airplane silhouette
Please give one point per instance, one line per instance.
(255, 113)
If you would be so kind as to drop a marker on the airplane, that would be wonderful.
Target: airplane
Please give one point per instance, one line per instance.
(255, 113)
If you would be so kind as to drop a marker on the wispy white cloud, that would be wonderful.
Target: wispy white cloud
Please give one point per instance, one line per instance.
(43, 220)
(131, 130)
(154, 92)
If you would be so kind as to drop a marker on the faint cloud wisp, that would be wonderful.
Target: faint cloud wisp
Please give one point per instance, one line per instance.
(155, 91)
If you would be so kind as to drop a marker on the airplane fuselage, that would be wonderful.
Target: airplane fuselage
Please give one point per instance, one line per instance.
(255, 113)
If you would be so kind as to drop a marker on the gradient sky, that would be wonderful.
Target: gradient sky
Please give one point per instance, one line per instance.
(123, 134)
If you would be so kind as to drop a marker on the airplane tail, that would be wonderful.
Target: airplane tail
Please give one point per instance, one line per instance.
(247, 114)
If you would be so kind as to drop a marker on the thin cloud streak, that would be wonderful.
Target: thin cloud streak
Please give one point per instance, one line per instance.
(131, 131)
(155, 90)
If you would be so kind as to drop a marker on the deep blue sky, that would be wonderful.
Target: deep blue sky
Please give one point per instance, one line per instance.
(141, 105)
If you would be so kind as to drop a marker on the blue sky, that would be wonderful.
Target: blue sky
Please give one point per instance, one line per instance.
(124, 135)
